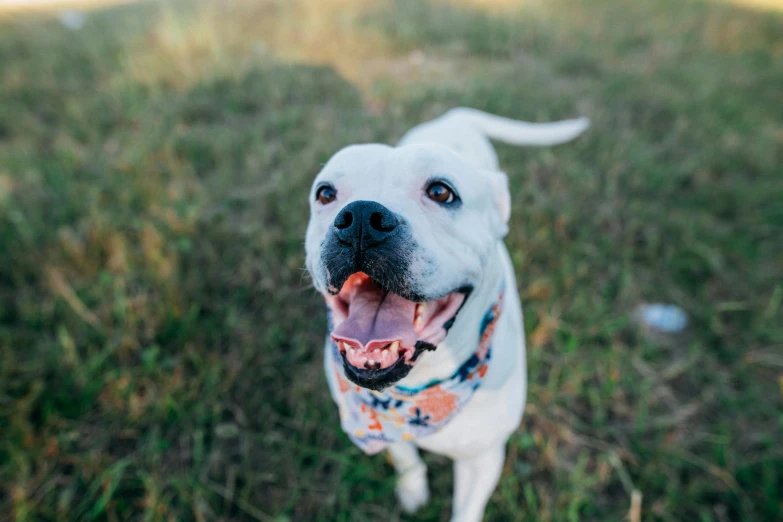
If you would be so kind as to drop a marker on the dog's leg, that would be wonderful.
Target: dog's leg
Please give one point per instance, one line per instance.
(412, 489)
(474, 481)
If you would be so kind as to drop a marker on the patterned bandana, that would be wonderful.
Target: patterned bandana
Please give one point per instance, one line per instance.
(375, 419)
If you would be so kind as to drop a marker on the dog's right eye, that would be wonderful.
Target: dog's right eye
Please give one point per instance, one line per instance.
(325, 194)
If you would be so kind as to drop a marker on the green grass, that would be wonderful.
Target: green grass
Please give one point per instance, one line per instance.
(160, 348)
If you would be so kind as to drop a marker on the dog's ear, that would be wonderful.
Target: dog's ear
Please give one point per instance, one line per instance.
(498, 182)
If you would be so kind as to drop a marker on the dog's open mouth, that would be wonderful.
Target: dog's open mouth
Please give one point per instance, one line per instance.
(378, 331)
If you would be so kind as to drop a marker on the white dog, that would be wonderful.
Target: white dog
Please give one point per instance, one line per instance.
(426, 346)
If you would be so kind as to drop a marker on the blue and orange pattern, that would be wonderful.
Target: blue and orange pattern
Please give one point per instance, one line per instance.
(375, 419)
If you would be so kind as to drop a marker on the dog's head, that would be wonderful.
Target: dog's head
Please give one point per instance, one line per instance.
(397, 240)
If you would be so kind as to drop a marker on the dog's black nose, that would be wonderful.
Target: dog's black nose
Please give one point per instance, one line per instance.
(364, 224)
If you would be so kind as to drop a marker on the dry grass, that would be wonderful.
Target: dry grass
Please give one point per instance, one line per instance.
(159, 347)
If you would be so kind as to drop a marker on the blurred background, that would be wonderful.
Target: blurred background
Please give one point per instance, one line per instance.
(160, 345)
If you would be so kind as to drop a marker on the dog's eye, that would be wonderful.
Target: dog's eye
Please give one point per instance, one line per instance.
(440, 193)
(325, 194)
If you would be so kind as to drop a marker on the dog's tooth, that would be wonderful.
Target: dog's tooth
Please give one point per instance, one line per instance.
(418, 322)
(395, 348)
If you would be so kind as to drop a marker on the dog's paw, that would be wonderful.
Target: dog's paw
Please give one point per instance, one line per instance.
(412, 490)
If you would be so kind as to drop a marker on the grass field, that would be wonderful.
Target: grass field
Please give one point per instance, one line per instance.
(160, 348)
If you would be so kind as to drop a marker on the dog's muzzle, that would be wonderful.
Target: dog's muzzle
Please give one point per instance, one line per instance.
(368, 237)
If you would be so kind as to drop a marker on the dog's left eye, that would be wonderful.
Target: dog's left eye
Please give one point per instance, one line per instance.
(440, 193)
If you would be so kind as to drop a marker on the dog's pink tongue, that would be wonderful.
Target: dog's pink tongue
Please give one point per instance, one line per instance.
(375, 319)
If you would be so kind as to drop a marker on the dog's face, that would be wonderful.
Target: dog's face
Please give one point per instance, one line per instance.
(397, 239)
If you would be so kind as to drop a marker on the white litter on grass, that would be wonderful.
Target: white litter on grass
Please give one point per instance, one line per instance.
(417, 57)
(666, 318)
(73, 20)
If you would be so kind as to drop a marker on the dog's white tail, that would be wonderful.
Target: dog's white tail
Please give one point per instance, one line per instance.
(516, 132)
